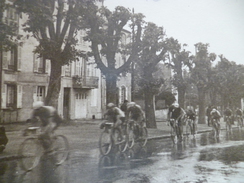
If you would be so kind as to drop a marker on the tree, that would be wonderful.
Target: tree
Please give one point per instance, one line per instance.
(54, 24)
(229, 82)
(105, 33)
(177, 60)
(200, 75)
(153, 50)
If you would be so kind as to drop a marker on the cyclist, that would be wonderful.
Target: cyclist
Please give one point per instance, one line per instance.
(124, 106)
(177, 113)
(228, 114)
(50, 120)
(191, 114)
(135, 112)
(239, 114)
(215, 114)
(114, 114)
(208, 111)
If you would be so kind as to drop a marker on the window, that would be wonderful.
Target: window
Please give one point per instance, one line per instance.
(67, 71)
(12, 18)
(11, 96)
(40, 64)
(40, 93)
(12, 59)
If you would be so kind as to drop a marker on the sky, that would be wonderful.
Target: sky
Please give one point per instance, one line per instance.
(220, 23)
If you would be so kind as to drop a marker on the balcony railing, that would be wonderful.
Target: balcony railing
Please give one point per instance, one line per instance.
(88, 82)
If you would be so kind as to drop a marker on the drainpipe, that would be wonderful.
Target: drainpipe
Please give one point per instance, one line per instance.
(1, 76)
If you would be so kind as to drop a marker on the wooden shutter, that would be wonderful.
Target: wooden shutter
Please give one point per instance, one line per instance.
(35, 63)
(47, 66)
(5, 60)
(19, 59)
(19, 96)
(4, 96)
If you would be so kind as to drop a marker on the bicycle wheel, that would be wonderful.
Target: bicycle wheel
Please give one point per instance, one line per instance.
(130, 136)
(105, 142)
(61, 149)
(143, 137)
(31, 151)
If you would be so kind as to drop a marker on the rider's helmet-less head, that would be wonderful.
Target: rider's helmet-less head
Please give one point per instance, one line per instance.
(176, 105)
(38, 104)
(110, 105)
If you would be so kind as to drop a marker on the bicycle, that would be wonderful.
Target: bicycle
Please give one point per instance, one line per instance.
(190, 124)
(239, 121)
(136, 133)
(112, 136)
(32, 149)
(176, 131)
(228, 123)
(216, 127)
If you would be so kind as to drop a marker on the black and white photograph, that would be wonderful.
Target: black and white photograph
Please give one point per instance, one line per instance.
(122, 91)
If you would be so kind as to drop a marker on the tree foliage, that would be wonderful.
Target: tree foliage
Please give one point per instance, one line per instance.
(229, 82)
(153, 50)
(8, 32)
(105, 32)
(54, 24)
(178, 59)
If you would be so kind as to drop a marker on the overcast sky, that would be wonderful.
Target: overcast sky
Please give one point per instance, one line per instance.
(217, 22)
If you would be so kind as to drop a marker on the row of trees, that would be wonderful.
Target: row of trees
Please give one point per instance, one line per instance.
(55, 23)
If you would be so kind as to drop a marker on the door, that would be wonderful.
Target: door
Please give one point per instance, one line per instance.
(66, 103)
(80, 105)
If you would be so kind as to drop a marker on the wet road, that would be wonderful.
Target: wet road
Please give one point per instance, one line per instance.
(203, 159)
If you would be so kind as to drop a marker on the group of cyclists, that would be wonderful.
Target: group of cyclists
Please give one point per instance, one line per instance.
(128, 111)
(132, 111)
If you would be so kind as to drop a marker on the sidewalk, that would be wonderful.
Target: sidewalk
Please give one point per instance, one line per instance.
(81, 132)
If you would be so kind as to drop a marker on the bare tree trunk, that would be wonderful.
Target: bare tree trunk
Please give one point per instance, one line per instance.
(54, 84)
(111, 88)
(150, 109)
(201, 102)
(181, 97)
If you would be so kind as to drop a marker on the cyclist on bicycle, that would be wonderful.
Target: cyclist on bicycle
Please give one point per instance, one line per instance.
(228, 114)
(239, 114)
(177, 114)
(215, 114)
(191, 114)
(135, 113)
(114, 114)
(50, 120)
(208, 111)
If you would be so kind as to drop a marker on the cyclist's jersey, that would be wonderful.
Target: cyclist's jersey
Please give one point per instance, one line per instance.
(113, 113)
(177, 112)
(135, 112)
(191, 114)
(228, 112)
(239, 112)
(215, 115)
(45, 113)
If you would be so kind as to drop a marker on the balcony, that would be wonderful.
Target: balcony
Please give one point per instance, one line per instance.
(88, 82)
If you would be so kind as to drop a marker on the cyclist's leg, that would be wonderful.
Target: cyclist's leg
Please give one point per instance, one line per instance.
(47, 134)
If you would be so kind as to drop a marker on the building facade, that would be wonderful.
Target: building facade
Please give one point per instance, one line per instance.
(25, 78)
